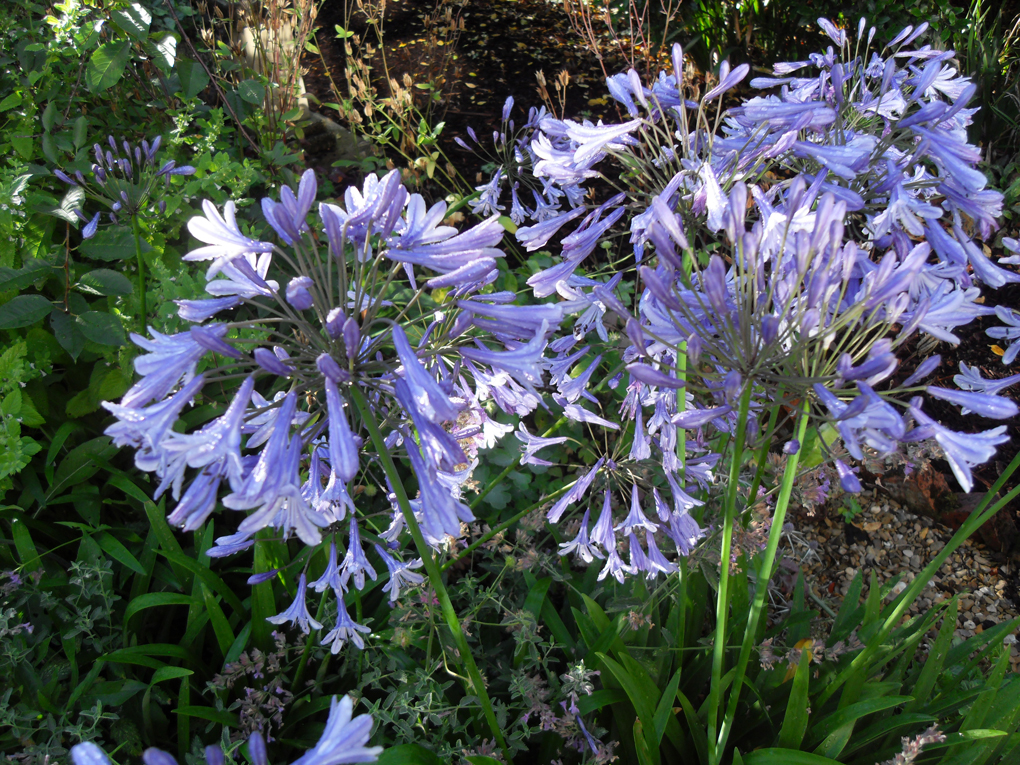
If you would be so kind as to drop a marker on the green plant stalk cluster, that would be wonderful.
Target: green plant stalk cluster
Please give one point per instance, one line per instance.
(476, 682)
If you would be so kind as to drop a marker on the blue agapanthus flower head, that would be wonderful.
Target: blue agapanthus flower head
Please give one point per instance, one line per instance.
(342, 743)
(360, 316)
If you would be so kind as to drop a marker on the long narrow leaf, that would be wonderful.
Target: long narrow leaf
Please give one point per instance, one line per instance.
(795, 721)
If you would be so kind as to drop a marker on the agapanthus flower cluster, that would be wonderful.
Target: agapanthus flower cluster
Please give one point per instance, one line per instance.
(124, 182)
(342, 743)
(846, 204)
(382, 320)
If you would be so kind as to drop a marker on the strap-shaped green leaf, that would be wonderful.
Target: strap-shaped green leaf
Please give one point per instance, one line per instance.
(785, 757)
(932, 668)
(155, 600)
(795, 721)
(408, 754)
(832, 733)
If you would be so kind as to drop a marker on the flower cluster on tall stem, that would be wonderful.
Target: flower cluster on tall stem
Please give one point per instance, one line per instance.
(126, 183)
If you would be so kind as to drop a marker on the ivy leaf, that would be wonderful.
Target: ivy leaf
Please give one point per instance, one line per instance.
(107, 64)
(105, 282)
(100, 327)
(23, 311)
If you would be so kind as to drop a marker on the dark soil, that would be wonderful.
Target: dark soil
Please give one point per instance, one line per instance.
(502, 47)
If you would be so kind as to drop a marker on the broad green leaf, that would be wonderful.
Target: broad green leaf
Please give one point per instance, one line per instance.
(72, 200)
(112, 244)
(641, 696)
(114, 385)
(80, 134)
(221, 628)
(979, 709)
(641, 746)
(67, 333)
(698, 735)
(134, 20)
(49, 116)
(408, 754)
(14, 99)
(104, 281)
(536, 597)
(851, 611)
(107, 65)
(163, 50)
(32, 270)
(101, 327)
(23, 311)
(193, 78)
(263, 601)
(982, 733)
(252, 91)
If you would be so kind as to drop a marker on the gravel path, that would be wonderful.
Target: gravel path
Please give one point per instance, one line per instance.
(889, 540)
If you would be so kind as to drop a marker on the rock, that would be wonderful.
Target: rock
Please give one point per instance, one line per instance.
(998, 533)
(924, 492)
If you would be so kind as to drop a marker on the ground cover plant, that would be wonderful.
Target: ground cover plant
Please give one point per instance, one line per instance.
(409, 471)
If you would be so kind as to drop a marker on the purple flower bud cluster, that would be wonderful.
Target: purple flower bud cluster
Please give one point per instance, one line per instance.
(331, 340)
(123, 182)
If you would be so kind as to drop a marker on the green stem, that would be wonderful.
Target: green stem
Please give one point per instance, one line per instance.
(723, 596)
(980, 515)
(681, 406)
(763, 452)
(306, 653)
(142, 312)
(762, 581)
(477, 684)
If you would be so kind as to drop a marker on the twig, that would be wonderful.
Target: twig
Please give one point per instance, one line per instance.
(219, 91)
